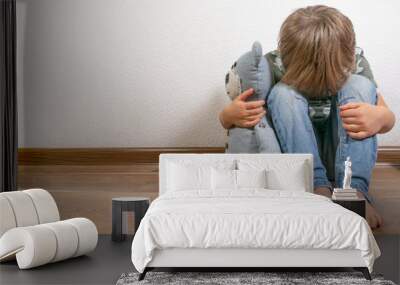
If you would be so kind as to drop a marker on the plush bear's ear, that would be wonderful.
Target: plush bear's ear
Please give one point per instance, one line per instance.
(257, 51)
(233, 84)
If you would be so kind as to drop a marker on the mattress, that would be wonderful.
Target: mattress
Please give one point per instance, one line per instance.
(251, 219)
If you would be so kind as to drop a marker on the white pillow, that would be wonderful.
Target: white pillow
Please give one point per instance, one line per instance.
(293, 180)
(188, 177)
(227, 179)
(223, 179)
(285, 174)
(251, 178)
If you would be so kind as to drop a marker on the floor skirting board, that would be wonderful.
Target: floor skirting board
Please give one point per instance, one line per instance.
(128, 156)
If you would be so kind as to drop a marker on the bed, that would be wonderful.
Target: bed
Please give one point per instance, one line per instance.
(245, 211)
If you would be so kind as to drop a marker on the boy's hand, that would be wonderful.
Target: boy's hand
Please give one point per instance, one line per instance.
(241, 113)
(361, 120)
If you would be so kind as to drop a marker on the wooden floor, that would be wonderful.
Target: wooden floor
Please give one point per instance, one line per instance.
(86, 190)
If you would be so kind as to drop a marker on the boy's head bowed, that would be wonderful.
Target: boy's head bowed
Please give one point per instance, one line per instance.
(317, 46)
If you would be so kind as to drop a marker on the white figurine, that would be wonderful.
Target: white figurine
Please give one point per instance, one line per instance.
(347, 174)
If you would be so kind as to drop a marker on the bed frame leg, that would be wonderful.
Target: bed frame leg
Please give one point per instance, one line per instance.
(364, 271)
(143, 274)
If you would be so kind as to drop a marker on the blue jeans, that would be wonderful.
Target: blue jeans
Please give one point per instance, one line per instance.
(295, 132)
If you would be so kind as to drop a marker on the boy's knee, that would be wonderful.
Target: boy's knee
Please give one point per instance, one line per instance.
(357, 88)
(282, 96)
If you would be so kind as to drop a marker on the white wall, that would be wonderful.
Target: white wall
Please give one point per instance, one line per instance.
(151, 72)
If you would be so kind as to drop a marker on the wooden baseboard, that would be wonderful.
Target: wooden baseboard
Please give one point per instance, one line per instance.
(389, 154)
(101, 156)
(129, 156)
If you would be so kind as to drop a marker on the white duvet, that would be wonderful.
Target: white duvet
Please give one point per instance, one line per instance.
(252, 218)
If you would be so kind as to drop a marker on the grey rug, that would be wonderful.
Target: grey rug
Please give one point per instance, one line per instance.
(232, 278)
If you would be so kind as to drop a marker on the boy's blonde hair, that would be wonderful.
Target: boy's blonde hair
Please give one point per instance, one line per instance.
(317, 46)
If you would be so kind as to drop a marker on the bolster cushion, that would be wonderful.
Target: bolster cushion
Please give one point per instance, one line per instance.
(40, 244)
(7, 220)
(26, 208)
(23, 208)
(45, 206)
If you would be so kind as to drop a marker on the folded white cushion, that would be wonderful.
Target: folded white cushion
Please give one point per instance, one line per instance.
(223, 179)
(188, 177)
(31, 232)
(231, 180)
(292, 181)
(284, 174)
(251, 178)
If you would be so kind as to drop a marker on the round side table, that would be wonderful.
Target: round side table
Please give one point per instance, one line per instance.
(137, 205)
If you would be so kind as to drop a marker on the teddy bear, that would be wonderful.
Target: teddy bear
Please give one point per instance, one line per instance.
(251, 70)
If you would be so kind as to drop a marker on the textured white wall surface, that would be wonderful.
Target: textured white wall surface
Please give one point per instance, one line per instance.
(147, 73)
